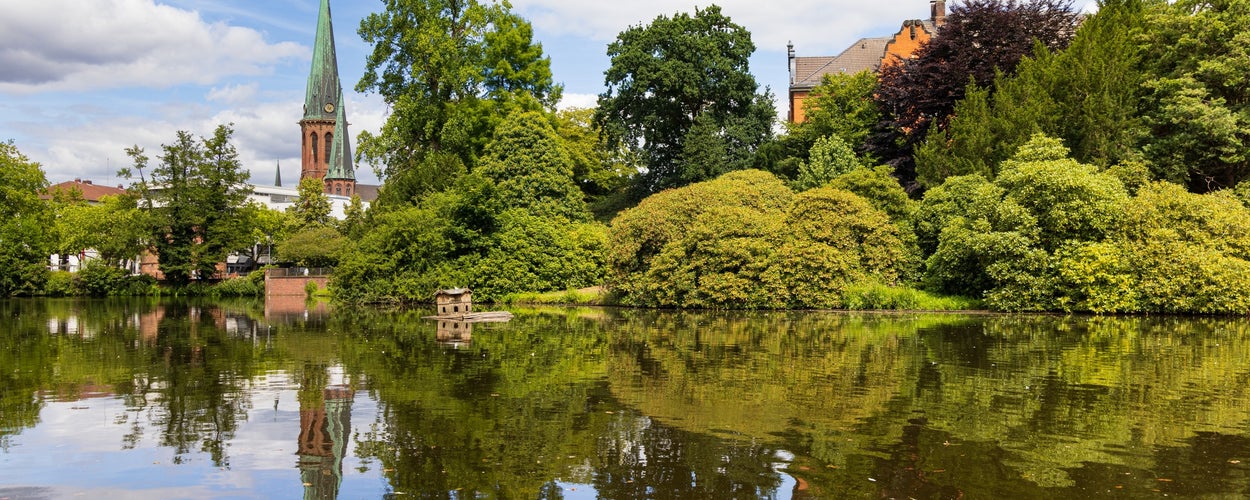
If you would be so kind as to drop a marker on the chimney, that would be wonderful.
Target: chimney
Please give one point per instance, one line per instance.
(938, 12)
(790, 62)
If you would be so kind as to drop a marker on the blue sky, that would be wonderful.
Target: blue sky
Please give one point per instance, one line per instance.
(82, 80)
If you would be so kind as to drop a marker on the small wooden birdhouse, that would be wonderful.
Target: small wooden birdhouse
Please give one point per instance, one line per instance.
(453, 302)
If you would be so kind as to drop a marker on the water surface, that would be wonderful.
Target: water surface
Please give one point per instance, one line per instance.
(176, 399)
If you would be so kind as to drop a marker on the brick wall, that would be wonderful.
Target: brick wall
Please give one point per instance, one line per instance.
(291, 285)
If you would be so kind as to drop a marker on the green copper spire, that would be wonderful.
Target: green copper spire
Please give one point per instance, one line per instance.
(322, 100)
(341, 166)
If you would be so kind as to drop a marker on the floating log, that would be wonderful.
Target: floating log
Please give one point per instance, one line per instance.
(478, 317)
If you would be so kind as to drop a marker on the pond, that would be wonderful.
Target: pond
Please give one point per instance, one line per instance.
(184, 399)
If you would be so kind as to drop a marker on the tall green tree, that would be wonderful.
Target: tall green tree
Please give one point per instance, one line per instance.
(598, 169)
(197, 196)
(1088, 94)
(25, 221)
(312, 209)
(517, 223)
(841, 105)
(449, 70)
(980, 39)
(1198, 102)
(679, 80)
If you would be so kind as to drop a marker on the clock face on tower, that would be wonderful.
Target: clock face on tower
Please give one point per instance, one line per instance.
(329, 108)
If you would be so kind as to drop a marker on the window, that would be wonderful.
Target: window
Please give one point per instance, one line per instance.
(314, 147)
(456, 309)
(329, 143)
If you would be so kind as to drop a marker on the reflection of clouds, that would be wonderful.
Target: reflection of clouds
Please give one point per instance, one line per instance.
(90, 436)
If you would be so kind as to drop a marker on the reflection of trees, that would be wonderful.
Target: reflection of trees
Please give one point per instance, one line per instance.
(1061, 392)
(194, 381)
(677, 404)
(184, 374)
(641, 458)
(26, 352)
(498, 417)
(762, 375)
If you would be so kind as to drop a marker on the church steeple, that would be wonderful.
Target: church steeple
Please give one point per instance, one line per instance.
(324, 89)
(341, 177)
(326, 144)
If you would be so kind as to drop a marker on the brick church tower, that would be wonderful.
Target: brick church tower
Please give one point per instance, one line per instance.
(326, 150)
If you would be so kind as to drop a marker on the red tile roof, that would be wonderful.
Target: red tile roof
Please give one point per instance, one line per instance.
(90, 191)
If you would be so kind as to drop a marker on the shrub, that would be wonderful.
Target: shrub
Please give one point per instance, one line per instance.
(60, 284)
(243, 286)
(831, 240)
(638, 235)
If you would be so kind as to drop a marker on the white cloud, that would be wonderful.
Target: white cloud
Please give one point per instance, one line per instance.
(265, 133)
(815, 26)
(570, 100)
(234, 94)
(53, 45)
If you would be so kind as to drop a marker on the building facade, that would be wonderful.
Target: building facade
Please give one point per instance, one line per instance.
(867, 54)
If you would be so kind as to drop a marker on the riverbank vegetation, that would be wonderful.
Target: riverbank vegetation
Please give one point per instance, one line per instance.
(1063, 162)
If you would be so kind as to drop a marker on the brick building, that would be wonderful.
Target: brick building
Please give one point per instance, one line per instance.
(866, 54)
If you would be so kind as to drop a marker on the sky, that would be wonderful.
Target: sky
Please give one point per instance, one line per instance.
(81, 81)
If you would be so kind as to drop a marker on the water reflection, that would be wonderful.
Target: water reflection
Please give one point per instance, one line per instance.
(191, 399)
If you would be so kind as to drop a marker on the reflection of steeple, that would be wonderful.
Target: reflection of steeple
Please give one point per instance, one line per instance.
(324, 427)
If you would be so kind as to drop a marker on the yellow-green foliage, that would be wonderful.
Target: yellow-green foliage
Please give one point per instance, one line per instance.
(832, 239)
(744, 241)
(1053, 234)
(639, 234)
(999, 241)
(1174, 252)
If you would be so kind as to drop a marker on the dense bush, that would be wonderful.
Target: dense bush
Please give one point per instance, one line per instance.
(744, 241)
(999, 240)
(97, 279)
(1053, 234)
(640, 234)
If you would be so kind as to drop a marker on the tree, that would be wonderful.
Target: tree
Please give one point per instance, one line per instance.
(685, 79)
(829, 158)
(1088, 95)
(354, 221)
(597, 169)
(313, 246)
(531, 170)
(115, 228)
(1198, 101)
(980, 38)
(449, 70)
(841, 105)
(24, 224)
(196, 196)
(517, 223)
(312, 209)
